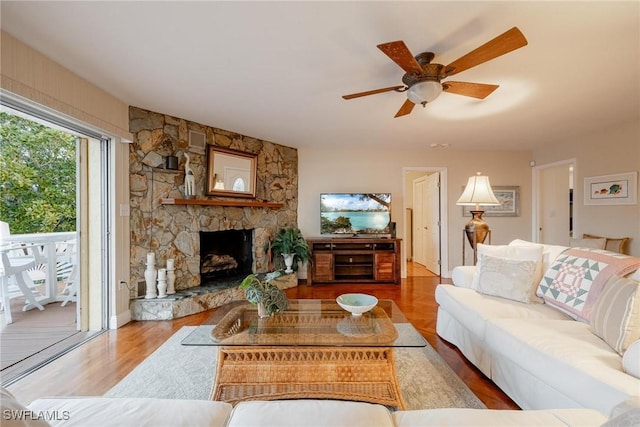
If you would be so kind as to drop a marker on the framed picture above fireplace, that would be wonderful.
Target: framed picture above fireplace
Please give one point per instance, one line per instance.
(230, 173)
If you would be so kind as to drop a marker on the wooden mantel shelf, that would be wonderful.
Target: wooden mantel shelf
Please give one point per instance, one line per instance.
(208, 202)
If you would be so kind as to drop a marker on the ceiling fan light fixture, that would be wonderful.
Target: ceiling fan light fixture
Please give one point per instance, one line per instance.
(425, 91)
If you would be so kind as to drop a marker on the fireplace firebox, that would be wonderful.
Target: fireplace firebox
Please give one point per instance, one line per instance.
(225, 255)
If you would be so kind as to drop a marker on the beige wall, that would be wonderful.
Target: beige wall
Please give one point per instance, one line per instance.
(31, 75)
(381, 170)
(607, 152)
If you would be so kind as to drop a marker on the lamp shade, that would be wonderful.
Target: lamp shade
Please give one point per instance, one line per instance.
(478, 192)
(425, 91)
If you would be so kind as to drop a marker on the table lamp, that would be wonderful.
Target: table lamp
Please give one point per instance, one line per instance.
(477, 193)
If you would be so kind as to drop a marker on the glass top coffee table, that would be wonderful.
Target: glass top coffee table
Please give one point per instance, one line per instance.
(314, 349)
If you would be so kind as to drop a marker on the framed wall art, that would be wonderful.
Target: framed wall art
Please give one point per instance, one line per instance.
(509, 197)
(617, 189)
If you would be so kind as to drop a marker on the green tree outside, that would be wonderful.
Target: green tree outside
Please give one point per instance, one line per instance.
(37, 177)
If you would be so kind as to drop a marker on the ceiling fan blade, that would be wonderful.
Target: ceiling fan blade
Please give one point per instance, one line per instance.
(406, 108)
(372, 92)
(506, 42)
(475, 90)
(401, 55)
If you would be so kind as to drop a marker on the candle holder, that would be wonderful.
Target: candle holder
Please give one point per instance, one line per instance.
(150, 276)
(162, 283)
(171, 277)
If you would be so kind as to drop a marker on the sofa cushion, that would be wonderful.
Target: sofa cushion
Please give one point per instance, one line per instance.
(567, 357)
(631, 360)
(472, 309)
(15, 414)
(616, 315)
(134, 412)
(507, 418)
(462, 275)
(295, 413)
(577, 277)
(507, 278)
(525, 253)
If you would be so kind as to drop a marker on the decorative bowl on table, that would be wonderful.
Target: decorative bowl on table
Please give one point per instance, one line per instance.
(356, 304)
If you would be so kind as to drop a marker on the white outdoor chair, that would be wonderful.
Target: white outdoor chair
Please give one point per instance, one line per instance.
(67, 269)
(14, 278)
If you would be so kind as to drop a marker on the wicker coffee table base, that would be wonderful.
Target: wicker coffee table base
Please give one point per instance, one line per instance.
(269, 373)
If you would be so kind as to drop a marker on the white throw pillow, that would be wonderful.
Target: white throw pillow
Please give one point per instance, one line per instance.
(509, 278)
(516, 252)
(588, 243)
(549, 252)
(631, 360)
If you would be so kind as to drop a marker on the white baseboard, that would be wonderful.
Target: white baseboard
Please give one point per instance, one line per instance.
(120, 319)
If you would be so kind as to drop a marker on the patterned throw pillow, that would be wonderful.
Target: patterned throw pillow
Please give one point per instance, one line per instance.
(507, 278)
(616, 315)
(576, 278)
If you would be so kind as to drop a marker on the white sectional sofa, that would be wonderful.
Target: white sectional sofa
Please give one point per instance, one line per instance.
(540, 354)
(122, 412)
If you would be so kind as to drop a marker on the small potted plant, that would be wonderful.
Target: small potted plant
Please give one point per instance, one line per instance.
(268, 297)
(292, 246)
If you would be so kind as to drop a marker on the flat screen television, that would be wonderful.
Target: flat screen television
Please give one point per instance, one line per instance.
(355, 213)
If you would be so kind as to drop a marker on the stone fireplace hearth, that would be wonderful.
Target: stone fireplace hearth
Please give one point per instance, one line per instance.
(173, 231)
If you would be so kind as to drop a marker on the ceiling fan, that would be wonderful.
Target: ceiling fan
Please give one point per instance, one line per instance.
(423, 79)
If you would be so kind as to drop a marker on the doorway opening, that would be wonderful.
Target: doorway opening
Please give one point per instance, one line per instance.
(424, 191)
(52, 276)
(553, 212)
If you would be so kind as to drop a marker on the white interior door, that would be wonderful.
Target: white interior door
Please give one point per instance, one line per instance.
(419, 232)
(431, 210)
(553, 213)
(426, 221)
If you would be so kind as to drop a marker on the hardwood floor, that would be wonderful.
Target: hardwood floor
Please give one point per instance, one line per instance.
(414, 269)
(95, 367)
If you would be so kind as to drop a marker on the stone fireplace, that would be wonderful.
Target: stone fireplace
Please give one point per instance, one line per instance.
(174, 231)
(225, 255)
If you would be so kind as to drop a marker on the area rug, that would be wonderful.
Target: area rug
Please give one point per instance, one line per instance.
(176, 371)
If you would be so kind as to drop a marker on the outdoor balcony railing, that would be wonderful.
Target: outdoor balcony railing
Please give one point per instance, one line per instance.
(34, 261)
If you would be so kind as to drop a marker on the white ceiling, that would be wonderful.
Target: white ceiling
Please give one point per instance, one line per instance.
(277, 70)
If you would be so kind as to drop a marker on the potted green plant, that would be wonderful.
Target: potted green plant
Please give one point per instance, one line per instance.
(268, 297)
(291, 246)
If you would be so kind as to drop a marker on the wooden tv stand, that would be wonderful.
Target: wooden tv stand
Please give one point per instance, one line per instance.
(354, 260)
